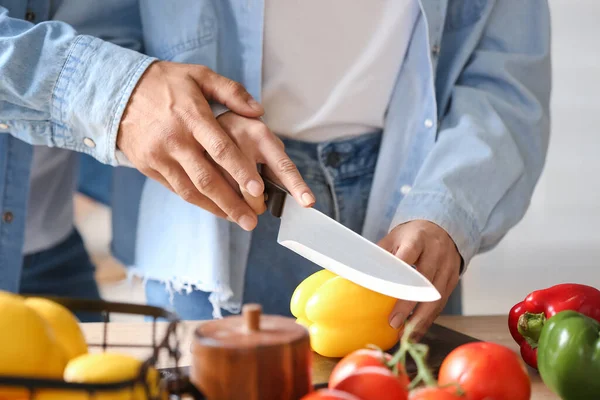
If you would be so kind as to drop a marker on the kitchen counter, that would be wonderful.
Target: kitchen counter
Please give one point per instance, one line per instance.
(487, 328)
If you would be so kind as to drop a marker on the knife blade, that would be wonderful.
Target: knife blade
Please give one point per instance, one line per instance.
(329, 244)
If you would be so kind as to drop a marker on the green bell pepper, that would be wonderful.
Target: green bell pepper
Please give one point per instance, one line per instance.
(569, 356)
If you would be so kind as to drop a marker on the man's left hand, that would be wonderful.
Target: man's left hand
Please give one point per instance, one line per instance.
(428, 247)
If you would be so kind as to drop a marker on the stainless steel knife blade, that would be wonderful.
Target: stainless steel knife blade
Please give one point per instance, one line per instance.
(331, 245)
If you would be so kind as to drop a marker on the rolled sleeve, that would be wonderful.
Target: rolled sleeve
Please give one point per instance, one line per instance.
(477, 180)
(90, 96)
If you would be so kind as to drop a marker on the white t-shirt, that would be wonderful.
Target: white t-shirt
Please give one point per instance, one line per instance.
(330, 65)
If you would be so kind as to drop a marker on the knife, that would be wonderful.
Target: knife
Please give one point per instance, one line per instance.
(329, 244)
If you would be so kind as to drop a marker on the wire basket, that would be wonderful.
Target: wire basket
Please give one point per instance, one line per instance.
(175, 384)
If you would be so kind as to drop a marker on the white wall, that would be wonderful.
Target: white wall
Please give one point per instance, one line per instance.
(559, 238)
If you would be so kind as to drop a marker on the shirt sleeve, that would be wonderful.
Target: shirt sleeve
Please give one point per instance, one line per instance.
(478, 179)
(64, 89)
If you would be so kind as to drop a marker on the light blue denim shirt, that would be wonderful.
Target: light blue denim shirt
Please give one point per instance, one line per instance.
(465, 136)
(466, 131)
(59, 85)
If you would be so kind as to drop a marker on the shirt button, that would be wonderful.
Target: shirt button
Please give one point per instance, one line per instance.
(8, 217)
(3, 126)
(435, 50)
(30, 16)
(89, 142)
(405, 189)
(428, 123)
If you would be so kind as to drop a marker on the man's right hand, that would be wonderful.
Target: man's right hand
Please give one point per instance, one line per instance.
(169, 133)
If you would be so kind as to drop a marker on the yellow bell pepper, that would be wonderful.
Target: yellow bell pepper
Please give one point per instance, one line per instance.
(342, 316)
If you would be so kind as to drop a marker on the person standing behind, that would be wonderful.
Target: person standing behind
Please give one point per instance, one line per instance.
(422, 124)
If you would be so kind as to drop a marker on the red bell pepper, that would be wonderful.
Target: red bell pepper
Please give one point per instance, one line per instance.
(526, 319)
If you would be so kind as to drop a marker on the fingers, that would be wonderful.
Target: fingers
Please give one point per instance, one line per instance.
(408, 249)
(179, 183)
(426, 313)
(169, 103)
(445, 278)
(409, 246)
(207, 180)
(423, 317)
(427, 263)
(225, 152)
(284, 169)
(227, 92)
(257, 204)
(159, 178)
(430, 263)
(260, 145)
(400, 313)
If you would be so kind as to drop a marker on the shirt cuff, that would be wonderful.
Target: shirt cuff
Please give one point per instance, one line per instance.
(445, 212)
(90, 96)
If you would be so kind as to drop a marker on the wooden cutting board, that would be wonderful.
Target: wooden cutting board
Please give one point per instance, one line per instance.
(441, 342)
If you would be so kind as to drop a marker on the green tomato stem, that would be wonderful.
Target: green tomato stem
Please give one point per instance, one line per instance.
(419, 352)
(400, 355)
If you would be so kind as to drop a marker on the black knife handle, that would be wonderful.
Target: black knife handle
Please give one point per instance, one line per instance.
(274, 195)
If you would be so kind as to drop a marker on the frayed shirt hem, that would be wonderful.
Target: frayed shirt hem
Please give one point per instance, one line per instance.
(221, 295)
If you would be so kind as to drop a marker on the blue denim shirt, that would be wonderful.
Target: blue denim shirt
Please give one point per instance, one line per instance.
(466, 131)
(59, 85)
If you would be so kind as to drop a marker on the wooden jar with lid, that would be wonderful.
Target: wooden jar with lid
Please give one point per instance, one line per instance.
(252, 357)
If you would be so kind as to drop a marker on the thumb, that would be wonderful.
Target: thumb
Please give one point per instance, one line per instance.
(400, 313)
(227, 92)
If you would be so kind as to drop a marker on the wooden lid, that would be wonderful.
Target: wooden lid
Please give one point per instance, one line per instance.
(251, 329)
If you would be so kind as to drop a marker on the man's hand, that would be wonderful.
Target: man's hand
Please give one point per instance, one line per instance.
(428, 247)
(169, 133)
(261, 146)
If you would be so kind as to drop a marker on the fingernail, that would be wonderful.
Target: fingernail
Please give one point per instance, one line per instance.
(397, 321)
(254, 188)
(255, 104)
(308, 199)
(247, 222)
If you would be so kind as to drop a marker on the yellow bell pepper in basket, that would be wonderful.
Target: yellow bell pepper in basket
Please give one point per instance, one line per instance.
(342, 316)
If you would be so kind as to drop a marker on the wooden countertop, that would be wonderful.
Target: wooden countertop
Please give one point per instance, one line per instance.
(487, 328)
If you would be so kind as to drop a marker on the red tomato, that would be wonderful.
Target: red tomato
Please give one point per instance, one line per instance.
(433, 393)
(360, 359)
(486, 370)
(373, 383)
(328, 394)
